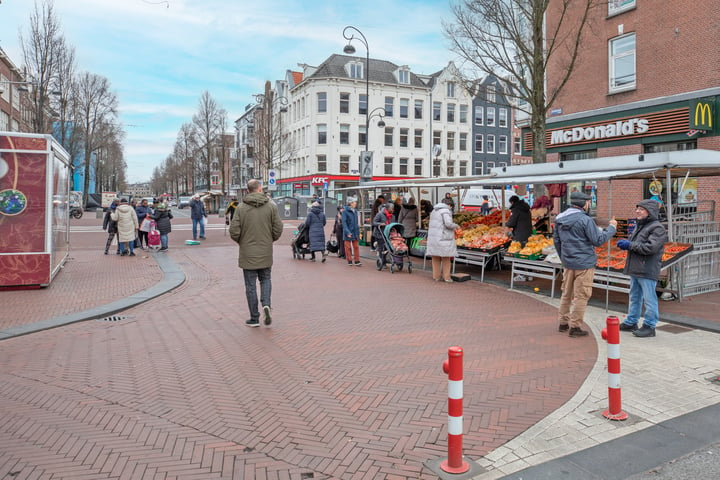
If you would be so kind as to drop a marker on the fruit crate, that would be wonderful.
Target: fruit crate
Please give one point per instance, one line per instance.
(533, 256)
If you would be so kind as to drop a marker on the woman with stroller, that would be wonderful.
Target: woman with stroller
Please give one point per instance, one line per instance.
(315, 223)
(382, 218)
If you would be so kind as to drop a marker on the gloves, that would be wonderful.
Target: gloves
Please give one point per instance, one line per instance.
(623, 244)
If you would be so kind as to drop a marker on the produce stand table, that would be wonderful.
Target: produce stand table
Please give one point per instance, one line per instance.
(477, 257)
(534, 268)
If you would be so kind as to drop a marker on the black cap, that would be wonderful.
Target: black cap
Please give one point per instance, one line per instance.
(578, 199)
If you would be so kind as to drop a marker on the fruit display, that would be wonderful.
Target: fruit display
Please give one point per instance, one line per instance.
(481, 237)
(533, 247)
(616, 258)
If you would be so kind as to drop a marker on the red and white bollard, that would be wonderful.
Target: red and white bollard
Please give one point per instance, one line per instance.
(611, 333)
(453, 366)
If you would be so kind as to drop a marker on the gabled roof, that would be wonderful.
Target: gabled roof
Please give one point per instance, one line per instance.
(297, 77)
(380, 70)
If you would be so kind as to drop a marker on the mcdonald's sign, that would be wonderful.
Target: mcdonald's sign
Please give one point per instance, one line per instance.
(702, 114)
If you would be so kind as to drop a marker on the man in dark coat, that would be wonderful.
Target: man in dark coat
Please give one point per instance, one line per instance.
(645, 248)
(254, 227)
(520, 220)
(198, 216)
(315, 223)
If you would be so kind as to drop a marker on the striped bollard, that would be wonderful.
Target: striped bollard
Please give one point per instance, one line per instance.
(612, 334)
(454, 368)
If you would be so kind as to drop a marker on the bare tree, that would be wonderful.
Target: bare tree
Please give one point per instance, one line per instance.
(184, 152)
(64, 103)
(510, 40)
(39, 50)
(96, 116)
(207, 123)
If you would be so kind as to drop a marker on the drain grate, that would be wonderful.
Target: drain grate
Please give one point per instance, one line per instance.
(113, 318)
(674, 329)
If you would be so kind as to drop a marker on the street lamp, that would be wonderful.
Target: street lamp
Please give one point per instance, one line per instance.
(349, 49)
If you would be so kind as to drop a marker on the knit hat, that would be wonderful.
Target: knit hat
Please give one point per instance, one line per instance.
(351, 200)
(316, 204)
(578, 199)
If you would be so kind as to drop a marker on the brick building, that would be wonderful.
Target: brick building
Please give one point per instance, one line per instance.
(647, 80)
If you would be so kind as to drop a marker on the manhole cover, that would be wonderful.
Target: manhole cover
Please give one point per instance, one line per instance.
(113, 318)
(674, 329)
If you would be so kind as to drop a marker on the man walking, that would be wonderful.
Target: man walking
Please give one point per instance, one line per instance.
(645, 249)
(576, 236)
(254, 227)
(198, 216)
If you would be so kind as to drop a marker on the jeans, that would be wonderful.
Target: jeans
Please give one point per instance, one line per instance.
(195, 225)
(642, 292)
(131, 247)
(251, 277)
(163, 240)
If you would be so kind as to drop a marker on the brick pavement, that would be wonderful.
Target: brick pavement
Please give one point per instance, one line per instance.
(346, 384)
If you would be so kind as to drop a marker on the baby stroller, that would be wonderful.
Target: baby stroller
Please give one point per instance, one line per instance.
(395, 250)
(301, 242)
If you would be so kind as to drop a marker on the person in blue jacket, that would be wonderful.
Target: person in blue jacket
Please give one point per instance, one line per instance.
(197, 215)
(351, 233)
(576, 236)
(645, 249)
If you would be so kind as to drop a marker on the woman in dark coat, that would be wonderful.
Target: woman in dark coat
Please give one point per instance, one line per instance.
(338, 230)
(315, 223)
(162, 217)
(520, 220)
(111, 226)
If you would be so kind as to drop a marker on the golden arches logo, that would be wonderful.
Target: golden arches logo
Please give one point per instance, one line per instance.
(700, 110)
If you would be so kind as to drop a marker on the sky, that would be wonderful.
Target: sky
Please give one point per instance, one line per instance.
(160, 56)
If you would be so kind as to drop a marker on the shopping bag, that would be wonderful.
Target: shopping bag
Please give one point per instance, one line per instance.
(154, 238)
(332, 246)
(146, 225)
(204, 221)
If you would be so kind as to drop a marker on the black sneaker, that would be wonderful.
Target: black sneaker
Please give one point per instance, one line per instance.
(106, 252)
(324, 257)
(644, 332)
(358, 264)
(624, 327)
(267, 319)
(350, 264)
(577, 332)
(132, 254)
(563, 328)
(252, 323)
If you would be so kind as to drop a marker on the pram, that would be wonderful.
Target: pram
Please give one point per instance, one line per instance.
(394, 250)
(301, 242)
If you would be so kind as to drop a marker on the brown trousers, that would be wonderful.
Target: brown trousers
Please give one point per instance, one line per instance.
(352, 250)
(576, 291)
(441, 268)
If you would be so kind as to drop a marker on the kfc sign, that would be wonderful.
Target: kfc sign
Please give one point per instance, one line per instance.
(318, 180)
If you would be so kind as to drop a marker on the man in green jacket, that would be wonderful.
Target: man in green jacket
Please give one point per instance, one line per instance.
(254, 227)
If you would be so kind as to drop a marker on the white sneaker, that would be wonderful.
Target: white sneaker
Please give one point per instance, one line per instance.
(520, 278)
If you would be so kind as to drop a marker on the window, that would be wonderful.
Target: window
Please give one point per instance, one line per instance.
(622, 63)
(362, 135)
(322, 134)
(478, 143)
(322, 102)
(451, 112)
(463, 113)
(583, 155)
(451, 89)
(437, 106)
(344, 164)
(418, 137)
(479, 111)
(345, 134)
(388, 165)
(491, 116)
(502, 144)
(436, 167)
(437, 137)
(418, 167)
(214, 179)
(463, 168)
(389, 105)
(404, 106)
(490, 144)
(388, 136)
(489, 166)
(517, 145)
(322, 163)
(344, 103)
(356, 70)
(502, 117)
(403, 166)
(463, 142)
(450, 141)
(451, 168)
(491, 93)
(618, 6)
(363, 104)
(418, 109)
(404, 76)
(404, 137)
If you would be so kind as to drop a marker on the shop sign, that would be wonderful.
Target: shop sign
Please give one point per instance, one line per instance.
(298, 186)
(632, 126)
(318, 180)
(701, 114)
